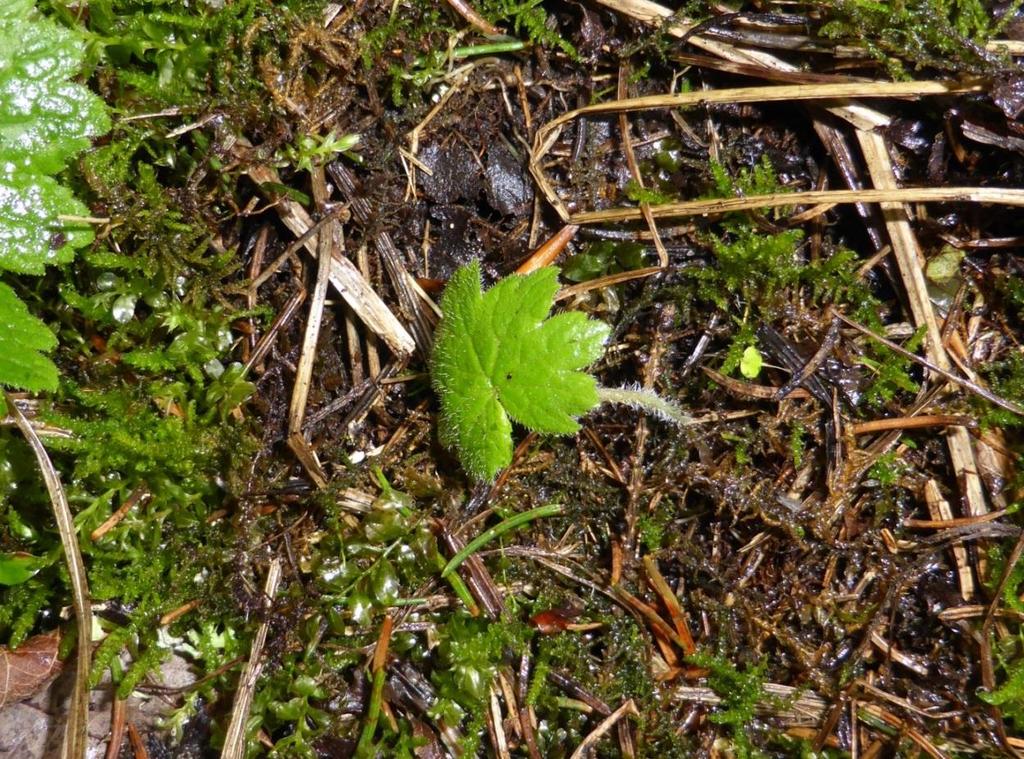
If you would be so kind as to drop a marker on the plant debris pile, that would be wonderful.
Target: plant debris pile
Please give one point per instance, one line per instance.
(823, 560)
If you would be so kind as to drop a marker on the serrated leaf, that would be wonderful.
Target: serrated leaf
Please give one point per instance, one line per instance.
(498, 357)
(45, 119)
(31, 236)
(22, 338)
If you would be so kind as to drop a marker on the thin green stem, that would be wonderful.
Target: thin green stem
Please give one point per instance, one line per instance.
(492, 48)
(499, 529)
(645, 400)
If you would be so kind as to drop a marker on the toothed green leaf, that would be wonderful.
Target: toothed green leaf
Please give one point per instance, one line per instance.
(45, 119)
(499, 357)
(22, 338)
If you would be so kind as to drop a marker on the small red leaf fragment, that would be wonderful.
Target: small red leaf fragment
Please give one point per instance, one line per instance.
(552, 621)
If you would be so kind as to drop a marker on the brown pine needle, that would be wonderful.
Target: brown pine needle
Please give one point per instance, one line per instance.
(76, 732)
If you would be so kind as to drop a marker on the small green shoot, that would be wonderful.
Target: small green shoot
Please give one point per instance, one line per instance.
(751, 362)
(498, 356)
(309, 151)
(741, 692)
(550, 510)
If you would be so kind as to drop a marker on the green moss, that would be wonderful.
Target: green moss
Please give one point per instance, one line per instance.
(527, 17)
(948, 35)
(1009, 695)
(741, 691)
(175, 52)
(890, 372)
(640, 194)
(797, 443)
(1006, 379)
(887, 470)
(652, 528)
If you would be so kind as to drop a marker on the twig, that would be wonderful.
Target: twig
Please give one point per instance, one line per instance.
(138, 747)
(668, 597)
(117, 714)
(345, 277)
(634, 167)
(469, 13)
(548, 252)
(76, 731)
(299, 242)
(495, 723)
(263, 346)
(908, 255)
(1009, 197)
(911, 423)
(139, 495)
(234, 738)
(329, 239)
(800, 377)
(548, 134)
(175, 614)
(607, 281)
(942, 514)
(951, 522)
(605, 725)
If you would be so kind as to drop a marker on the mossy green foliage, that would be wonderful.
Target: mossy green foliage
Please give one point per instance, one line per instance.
(421, 37)
(948, 35)
(1008, 651)
(1009, 695)
(120, 443)
(759, 275)
(417, 66)
(754, 269)
(741, 690)
(528, 18)
(797, 443)
(176, 52)
(360, 572)
(1006, 379)
(145, 341)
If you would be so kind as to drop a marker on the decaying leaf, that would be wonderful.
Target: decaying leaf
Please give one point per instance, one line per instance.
(25, 670)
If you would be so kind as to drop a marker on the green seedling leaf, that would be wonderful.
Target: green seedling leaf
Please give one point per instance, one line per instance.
(498, 357)
(23, 337)
(751, 362)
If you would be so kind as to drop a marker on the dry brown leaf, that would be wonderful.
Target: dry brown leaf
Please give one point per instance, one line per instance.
(28, 668)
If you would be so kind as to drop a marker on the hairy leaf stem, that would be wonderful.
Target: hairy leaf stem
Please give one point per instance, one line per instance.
(645, 400)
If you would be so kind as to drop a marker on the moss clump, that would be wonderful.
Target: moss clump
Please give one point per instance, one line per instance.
(741, 691)
(948, 35)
